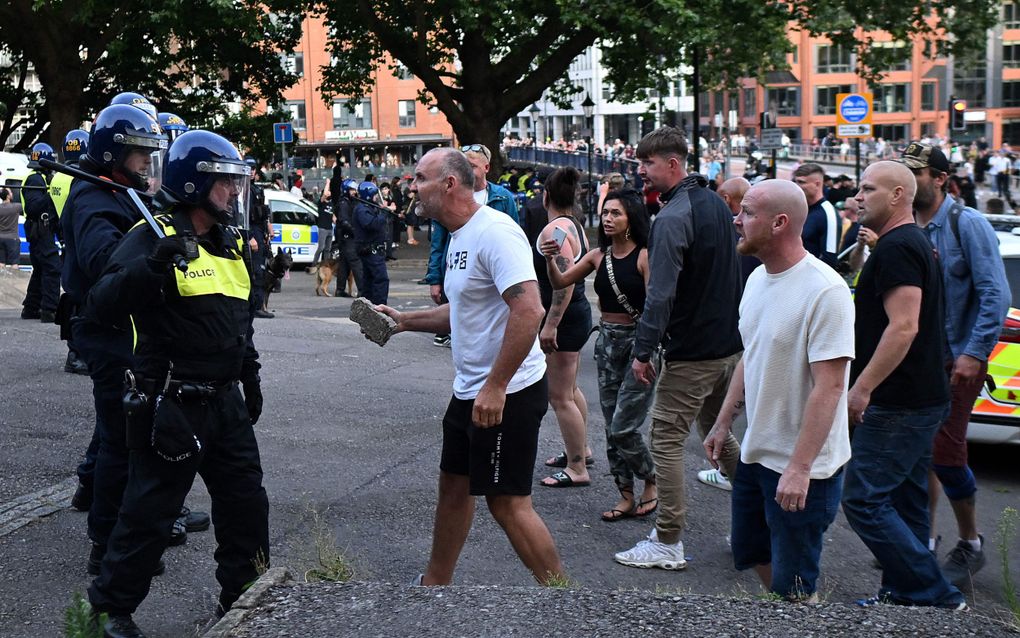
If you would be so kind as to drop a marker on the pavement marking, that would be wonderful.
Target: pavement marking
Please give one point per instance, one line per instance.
(31, 507)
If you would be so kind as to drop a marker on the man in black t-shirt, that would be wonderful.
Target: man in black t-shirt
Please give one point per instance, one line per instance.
(899, 395)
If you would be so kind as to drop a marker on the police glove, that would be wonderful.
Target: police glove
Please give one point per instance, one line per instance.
(253, 397)
(166, 253)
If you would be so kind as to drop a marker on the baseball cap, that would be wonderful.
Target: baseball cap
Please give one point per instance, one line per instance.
(919, 155)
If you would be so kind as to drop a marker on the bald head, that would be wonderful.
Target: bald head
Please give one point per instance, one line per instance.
(886, 196)
(779, 197)
(732, 191)
(450, 162)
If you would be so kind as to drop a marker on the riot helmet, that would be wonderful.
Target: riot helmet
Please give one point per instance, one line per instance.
(205, 170)
(136, 100)
(76, 143)
(39, 151)
(127, 143)
(349, 185)
(172, 125)
(367, 191)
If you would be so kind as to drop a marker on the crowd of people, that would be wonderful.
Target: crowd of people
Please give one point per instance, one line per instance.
(720, 298)
(729, 300)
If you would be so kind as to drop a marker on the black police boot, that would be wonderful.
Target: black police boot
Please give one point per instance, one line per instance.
(121, 627)
(82, 499)
(75, 365)
(194, 521)
(96, 560)
(47, 316)
(29, 314)
(178, 533)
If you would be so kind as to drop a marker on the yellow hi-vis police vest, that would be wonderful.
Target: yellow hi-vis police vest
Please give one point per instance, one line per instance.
(209, 274)
(45, 181)
(60, 188)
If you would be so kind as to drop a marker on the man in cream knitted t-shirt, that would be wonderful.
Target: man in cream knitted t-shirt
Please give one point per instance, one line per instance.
(796, 322)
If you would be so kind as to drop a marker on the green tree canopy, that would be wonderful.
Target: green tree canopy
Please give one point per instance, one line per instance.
(188, 56)
(484, 62)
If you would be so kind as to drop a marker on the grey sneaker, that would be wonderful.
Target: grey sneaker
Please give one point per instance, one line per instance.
(963, 562)
(416, 582)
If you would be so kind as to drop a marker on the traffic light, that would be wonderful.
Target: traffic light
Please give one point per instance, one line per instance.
(957, 110)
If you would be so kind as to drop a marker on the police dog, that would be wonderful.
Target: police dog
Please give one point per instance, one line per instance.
(277, 270)
(325, 272)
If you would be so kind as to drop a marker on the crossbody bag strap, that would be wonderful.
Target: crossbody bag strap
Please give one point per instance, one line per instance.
(622, 298)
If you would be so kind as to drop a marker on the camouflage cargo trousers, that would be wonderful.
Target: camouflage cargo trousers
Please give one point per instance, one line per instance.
(625, 404)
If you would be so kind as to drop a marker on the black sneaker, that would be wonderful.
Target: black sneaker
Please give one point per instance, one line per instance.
(963, 562)
(82, 499)
(95, 561)
(121, 627)
(194, 521)
(264, 314)
(75, 365)
(30, 314)
(47, 316)
(178, 533)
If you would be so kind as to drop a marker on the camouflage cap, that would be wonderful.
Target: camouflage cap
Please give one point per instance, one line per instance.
(920, 155)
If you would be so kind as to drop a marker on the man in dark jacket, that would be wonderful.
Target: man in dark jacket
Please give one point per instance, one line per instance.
(691, 309)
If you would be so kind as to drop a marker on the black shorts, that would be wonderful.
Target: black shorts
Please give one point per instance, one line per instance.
(500, 459)
(575, 327)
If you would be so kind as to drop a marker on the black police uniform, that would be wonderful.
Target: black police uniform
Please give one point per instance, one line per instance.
(371, 238)
(40, 224)
(93, 222)
(198, 326)
(348, 260)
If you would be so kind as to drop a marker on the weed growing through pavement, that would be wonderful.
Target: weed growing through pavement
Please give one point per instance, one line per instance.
(1004, 536)
(332, 564)
(560, 581)
(78, 620)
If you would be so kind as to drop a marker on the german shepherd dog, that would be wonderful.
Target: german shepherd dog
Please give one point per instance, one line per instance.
(277, 270)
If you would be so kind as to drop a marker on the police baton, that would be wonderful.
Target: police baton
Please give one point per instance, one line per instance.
(180, 262)
(366, 202)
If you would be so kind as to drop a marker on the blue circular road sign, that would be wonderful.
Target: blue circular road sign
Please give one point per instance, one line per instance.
(854, 108)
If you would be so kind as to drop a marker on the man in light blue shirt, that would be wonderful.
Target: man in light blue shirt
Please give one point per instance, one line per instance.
(977, 299)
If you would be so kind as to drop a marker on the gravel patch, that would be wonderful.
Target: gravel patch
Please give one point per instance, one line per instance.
(386, 610)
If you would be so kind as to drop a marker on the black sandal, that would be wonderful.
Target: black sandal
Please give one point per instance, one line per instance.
(560, 460)
(619, 515)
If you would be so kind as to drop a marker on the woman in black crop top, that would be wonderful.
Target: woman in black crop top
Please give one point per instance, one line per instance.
(623, 239)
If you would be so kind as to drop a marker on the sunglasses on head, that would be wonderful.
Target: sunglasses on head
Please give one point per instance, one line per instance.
(475, 148)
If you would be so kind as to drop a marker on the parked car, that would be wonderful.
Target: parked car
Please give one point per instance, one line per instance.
(995, 417)
(294, 225)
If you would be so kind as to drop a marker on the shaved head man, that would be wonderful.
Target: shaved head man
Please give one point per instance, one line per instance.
(899, 393)
(732, 192)
(795, 319)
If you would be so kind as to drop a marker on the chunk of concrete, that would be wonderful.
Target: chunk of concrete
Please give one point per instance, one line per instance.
(375, 325)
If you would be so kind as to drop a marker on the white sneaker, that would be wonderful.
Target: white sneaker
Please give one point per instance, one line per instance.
(715, 478)
(651, 553)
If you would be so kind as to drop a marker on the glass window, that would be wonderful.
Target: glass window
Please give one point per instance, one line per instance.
(285, 212)
(405, 113)
(891, 98)
(297, 113)
(750, 102)
(1011, 93)
(786, 99)
(832, 59)
(1010, 15)
(294, 63)
(897, 66)
(402, 72)
(1011, 55)
(704, 106)
(927, 96)
(825, 98)
(891, 132)
(607, 91)
(343, 118)
(970, 84)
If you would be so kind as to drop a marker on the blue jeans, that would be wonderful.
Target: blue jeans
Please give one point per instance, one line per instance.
(763, 533)
(886, 501)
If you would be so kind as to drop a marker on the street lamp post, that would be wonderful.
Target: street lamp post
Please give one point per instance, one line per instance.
(589, 107)
(534, 111)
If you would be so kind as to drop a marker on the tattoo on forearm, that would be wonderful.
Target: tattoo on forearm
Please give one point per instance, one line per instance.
(558, 297)
(514, 291)
(562, 263)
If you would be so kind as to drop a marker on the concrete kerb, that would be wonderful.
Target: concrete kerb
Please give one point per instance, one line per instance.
(248, 601)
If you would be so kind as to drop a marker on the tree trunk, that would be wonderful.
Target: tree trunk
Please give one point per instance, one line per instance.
(478, 128)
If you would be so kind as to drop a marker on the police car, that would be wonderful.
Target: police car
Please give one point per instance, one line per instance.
(13, 171)
(294, 225)
(995, 417)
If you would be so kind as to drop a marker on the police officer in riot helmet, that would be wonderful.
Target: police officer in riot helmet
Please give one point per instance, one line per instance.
(76, 143)
(370, 237)
(125, 146)
(172, 125)
(136, 100)
(344, 245)
(40, 225)
(189, 298)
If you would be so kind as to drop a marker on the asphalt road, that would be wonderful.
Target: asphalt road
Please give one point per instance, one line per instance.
(350, 437)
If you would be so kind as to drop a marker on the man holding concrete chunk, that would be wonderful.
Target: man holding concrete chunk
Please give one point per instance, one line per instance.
(500, 392)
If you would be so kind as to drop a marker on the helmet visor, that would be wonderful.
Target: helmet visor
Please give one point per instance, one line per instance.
(155, 175)
(229, 191)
